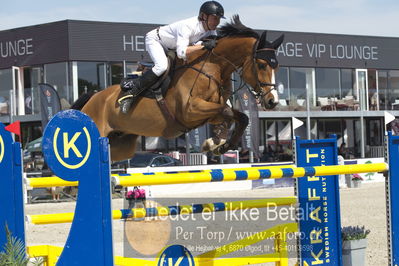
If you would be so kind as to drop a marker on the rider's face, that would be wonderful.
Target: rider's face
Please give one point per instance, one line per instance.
(211, 22)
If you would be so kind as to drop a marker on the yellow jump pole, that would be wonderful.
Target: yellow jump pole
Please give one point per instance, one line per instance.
(54, 181)
(254, 173)
(166, 211)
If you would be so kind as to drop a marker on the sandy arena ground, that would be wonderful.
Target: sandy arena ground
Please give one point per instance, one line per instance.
(359, 206)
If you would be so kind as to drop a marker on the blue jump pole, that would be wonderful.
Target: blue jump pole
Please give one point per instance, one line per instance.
(12, 212)
(392, 186)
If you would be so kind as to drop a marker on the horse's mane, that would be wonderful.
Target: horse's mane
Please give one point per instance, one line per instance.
(236, 29)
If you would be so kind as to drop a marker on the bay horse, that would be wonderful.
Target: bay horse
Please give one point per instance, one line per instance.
(197, 94)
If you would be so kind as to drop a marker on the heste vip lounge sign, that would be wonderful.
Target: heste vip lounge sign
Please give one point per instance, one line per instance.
(336, 51)
(18, 47)
(333, 50)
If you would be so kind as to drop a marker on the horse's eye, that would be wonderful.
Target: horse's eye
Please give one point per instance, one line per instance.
(262, 66)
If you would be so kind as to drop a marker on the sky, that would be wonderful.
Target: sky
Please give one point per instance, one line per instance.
(354, 17)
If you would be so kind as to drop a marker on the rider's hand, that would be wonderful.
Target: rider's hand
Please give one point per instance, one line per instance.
(209, 44)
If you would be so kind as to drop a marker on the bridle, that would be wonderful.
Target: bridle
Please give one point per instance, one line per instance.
(240, 71)
(261, 92)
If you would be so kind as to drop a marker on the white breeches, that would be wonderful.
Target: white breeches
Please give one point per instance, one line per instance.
(157, 53)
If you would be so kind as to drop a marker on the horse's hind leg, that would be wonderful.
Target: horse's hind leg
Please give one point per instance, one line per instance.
(122, 146)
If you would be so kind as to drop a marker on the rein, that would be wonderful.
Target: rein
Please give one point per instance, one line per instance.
(239, 70)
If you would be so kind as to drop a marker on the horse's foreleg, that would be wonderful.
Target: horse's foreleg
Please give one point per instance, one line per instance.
(122, 146)
(222, 123)
(218, 144)
(199, 110)
(241, 123)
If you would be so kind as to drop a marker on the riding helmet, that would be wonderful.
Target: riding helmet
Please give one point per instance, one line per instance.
(212, 8)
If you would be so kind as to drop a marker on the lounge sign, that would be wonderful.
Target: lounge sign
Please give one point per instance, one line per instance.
(18, 47)
(335, 50)
(330, 51)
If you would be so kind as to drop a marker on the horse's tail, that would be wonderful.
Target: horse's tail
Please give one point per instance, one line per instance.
(82, 100)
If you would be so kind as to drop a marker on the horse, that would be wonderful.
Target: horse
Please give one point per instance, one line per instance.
(197, 94)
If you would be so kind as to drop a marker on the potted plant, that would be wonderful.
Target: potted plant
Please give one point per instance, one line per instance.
(134, 196)
(354, 243)
(356, 180)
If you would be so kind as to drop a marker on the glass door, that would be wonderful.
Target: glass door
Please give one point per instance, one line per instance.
(372, 89)
(362, 91)
(32, 77)
(17, 98)
(6, 83)
(361, 88)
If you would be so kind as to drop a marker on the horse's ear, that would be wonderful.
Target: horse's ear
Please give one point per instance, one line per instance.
(278, 42)
(262, 40)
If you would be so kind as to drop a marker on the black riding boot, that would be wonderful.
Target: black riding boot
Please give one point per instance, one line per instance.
(132, 88)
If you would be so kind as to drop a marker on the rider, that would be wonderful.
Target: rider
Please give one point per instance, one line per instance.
(181, 36)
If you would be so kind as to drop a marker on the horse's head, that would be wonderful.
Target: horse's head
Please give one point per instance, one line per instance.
(258, 71)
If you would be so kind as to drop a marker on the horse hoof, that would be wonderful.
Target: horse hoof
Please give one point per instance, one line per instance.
(222, 149)
(205, 147)
(210, 145)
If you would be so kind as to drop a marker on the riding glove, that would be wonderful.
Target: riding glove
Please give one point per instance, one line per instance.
(209, 44)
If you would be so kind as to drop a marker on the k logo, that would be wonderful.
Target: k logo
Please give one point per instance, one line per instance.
(70, 155)
(70, 145)
(1, 148)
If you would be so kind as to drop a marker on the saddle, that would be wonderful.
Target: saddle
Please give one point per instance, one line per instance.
(160, 88)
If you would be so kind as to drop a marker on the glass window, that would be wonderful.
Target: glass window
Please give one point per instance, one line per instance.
(57, 76)
(91, 76)
(115, 73)
(282, 77)
(131, 67)
(334, 89)
(278, 140)
(5, 88)
(347, 82)
(159, 161)
(372, 89)
(301, 82)
(393, 83)
(327, 82)
(383, 92)
(374, 132)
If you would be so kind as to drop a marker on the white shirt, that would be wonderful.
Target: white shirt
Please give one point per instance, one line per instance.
(183, 33)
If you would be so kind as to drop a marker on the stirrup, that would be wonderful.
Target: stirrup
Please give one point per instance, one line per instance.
(121, 99)
(126, 104)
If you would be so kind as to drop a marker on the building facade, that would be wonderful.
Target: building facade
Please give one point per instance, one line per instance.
(336, 84)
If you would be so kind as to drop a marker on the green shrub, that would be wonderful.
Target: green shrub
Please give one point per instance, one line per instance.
(354, 232)
(14, 252)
